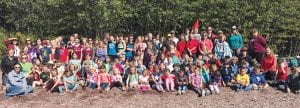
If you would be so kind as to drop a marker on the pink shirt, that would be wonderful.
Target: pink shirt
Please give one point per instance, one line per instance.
(103, 78)
(206, 45)
(197, 80)
(116, 78)
(92, 77)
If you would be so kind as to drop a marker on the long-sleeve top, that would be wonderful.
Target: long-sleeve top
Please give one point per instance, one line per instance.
(235, 41)
(257, 44)
(206, 46)
(257, 79)
(17, 79)
(222, 50)
(182, 79)
(8, 64)
(192, 44)
(269, 63)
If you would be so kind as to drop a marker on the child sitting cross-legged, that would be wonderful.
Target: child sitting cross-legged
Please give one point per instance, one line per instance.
(182, 82)
(257, 79)
(103, 79)
(242, 81)
(169, 80)
(144, 81)
(116, 79)
(156, 77)
(92, 78)
(132, 80)
(197, 83)
(70, 81)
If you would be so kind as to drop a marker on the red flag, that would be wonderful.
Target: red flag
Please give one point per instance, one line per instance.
(196, 24)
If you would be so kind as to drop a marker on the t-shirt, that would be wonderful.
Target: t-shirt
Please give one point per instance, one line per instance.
(112, 48)
(129, 54)
(70, 78)
(63, 55)
(45, 54)
(45, 76)
(243, 79)
(77, 50)
(26, 67)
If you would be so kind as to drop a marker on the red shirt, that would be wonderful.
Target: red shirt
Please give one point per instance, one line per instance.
(280, 75)
(77, 50)
(63, 55)
(192, 44)
(87, 52)
(269, 63)
(257, 44)
(181, 46)
(206, 46)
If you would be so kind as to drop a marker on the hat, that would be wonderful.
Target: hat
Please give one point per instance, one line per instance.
(169, 35)
(172, 32)
(233, 27)
(220, 32)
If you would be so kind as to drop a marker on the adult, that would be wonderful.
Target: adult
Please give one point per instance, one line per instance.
(269, 64)
(174, 38)
(181, 45)
(16, 84)
(191, 46)
(257, 45)
(205, 45)
(210, 34)
(244, 56)
(235, 41)
(222, 48)
(7, 64)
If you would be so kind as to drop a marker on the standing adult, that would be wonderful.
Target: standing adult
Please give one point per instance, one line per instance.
(7, 64)
(257, 45)
(45, 52)
(205, 45)
(192, 45)
(235, 41)
(210, 34)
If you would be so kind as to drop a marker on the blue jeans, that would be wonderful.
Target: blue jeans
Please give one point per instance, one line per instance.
(72, 87)
(17, 90)
(244, 88)
(4, 79)
(182, 88)
(92, 85)
(103, 86)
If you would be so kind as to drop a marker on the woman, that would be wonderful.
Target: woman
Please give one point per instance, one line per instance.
(235, 41)
(7, 64)
(17, 84)
(269, 64)
(222, 48)
(205, 45)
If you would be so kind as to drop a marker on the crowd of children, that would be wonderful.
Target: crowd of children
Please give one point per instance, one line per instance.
(202, 62)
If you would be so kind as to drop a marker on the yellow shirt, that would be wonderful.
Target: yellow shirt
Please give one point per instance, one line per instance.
(245, 79)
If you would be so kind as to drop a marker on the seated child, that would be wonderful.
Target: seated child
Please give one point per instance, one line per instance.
(182, 82)
(144, 81)
(104, 80)
(281, 75)
(156, 77)
(242, 81)
(140, 67)
(257, 79)
(132, 79)
(215, 82)
(197, 83)
(116, 79)
(70, 81)
(169, 80)
(227, 74)
(92, 78)
(34, 77)
(45, 75)
(293, 81)
(56, 84)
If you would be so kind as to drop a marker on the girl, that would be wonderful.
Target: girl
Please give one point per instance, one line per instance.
(132, 79)
(34, 77)
(156, 76)
(75, 61)
(227, 74)
(216, 81)
(196, 81)
(56, 84)
(116, 79)
(104, 80)
(144, 81)
(130, 48)
(92, 78)
(182, 82)
(169, 80)
(222, 48)
(70, 81)
(101, 51)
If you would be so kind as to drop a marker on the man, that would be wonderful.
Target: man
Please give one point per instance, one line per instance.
(257, 45)
(7, 64)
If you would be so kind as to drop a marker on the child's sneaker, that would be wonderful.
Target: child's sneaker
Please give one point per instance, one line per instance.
(179, 92)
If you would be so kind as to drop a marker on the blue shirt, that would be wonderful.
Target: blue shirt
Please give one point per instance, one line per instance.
(112, 48)
(257, 79)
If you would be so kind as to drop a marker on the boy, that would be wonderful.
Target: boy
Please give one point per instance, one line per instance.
(242, 81)
(293, 81)
(257, 79)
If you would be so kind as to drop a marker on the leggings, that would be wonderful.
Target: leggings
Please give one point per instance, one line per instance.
(170, 84)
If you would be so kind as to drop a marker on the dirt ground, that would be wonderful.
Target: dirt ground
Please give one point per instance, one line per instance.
(269, 98)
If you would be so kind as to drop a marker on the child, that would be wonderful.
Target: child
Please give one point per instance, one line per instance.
(182, 82)
(140, 67)
(234, 65)
(132, 79)
(293, 81)
(56, 83)
(197, 83)
(103, 79)
(92, 78)
(216, 81)
(116, 79)
(257, 79)
(34, 76)
(45, 75)
(227, 74)
(144, 81)
(156, 76)
(282, 74)
(242, 81)
(70, 82)
(169, 80)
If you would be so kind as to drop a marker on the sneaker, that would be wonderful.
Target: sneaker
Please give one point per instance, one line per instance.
(179, 92)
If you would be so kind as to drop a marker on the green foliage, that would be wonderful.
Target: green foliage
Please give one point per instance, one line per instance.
(276, 19)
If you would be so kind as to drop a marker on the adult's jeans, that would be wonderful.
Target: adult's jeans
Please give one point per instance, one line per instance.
(17, 90)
